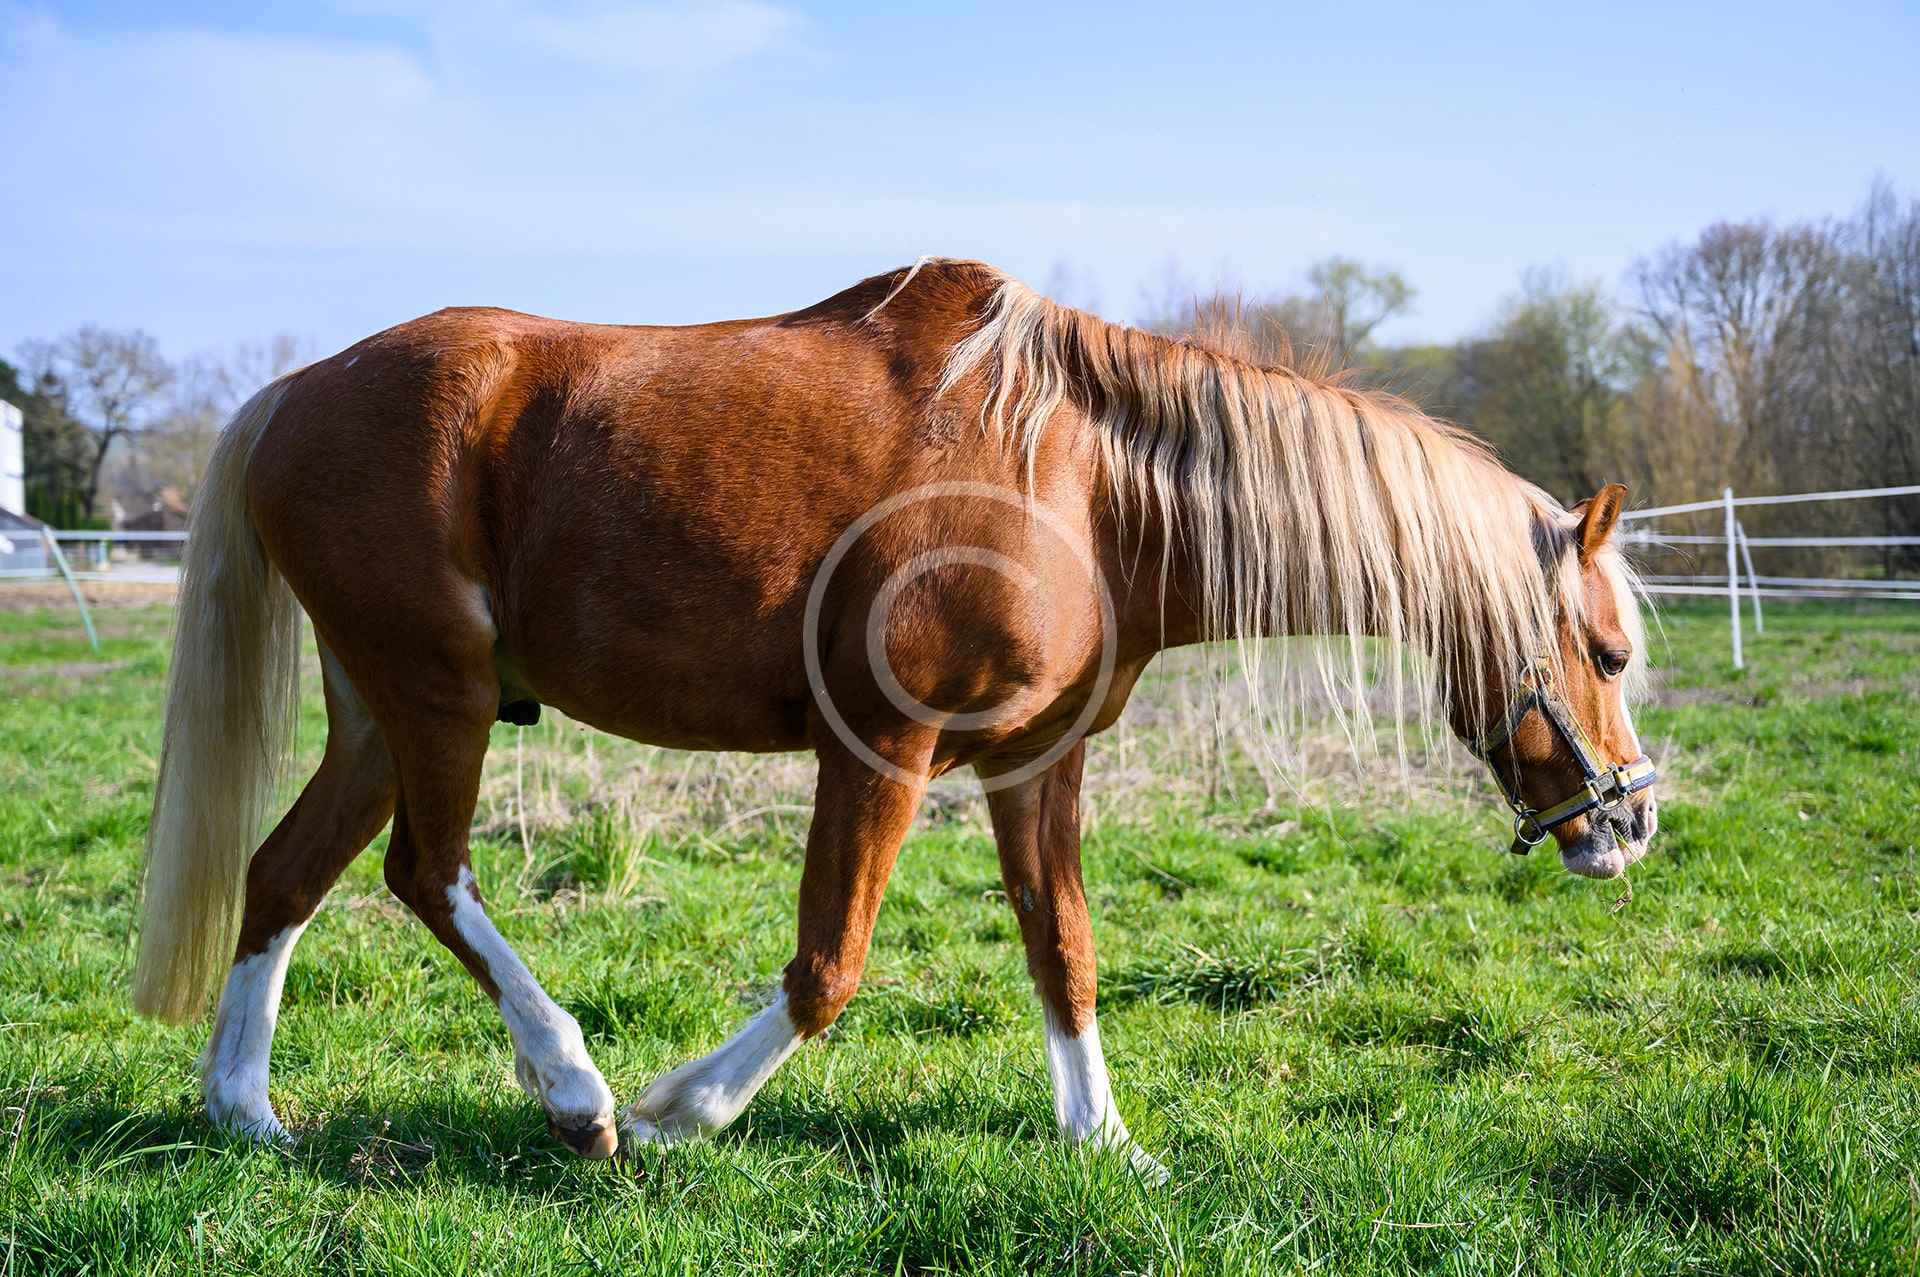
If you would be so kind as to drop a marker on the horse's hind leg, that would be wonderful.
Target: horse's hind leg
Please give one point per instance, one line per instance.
(343, 806)
(439, 740)
(1036, 826)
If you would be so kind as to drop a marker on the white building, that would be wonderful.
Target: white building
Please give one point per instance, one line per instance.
(23, 552)
(13, 459)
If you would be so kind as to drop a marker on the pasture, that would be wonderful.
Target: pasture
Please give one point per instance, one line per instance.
(1361, 1037)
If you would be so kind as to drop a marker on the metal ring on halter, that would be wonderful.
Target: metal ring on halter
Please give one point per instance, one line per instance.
(1521, 820)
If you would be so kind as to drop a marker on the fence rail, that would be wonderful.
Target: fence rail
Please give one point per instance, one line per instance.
(133, 558)
(1654, 538)
(1790, 498)
(178, 537)
(1774, 592)
(1740, 554)
(1792, 582)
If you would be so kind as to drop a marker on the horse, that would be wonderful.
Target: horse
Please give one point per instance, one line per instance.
(936, 521)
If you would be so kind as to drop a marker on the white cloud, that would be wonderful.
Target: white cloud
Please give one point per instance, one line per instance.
(214, 186)
(276, 145)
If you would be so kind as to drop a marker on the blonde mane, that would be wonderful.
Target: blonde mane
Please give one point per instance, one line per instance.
(1303, 506)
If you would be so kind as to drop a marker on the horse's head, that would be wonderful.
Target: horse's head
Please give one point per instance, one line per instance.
(1560, 739)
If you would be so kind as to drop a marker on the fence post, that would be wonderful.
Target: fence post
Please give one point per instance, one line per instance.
(1753, 580)
(1733, 578)
(79, 600)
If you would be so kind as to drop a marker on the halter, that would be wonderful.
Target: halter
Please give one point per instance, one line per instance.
(1605, 786)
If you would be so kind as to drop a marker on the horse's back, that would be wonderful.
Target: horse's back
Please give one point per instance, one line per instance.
(627, 508)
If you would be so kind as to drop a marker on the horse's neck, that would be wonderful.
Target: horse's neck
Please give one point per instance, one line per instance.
(1156, 599)
(1155, 583)
(1158, 591)
(1157, 610)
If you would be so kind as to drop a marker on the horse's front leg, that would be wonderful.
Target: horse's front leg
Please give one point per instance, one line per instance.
(1036, 826)
(860, 818)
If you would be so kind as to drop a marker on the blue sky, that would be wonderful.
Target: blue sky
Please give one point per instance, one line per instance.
(216, 172)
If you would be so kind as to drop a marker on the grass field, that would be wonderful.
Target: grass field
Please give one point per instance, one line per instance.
(1361, 1037)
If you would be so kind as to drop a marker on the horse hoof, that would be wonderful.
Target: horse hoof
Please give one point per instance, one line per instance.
(596, 1143)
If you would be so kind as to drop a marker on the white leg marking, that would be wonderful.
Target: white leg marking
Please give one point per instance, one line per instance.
(234, 1067)
(550, 1055)
(1083, 1099)
(703, 1096)
(233, 1070)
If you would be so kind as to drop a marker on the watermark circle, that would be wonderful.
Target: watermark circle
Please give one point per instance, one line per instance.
(917, 566)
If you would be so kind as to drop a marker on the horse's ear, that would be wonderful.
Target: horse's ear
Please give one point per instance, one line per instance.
(1598, 514)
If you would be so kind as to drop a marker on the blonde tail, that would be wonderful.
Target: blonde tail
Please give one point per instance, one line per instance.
(230, 706)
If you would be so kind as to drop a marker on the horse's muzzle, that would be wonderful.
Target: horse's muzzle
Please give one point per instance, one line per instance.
(1614, 840)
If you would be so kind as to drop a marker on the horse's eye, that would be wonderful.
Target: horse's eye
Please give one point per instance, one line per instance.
(1612, 664)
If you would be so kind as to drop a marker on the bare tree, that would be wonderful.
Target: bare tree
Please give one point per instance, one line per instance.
(1169, 303)
(1326, 327)
(210, 387)
(1750, 316)
(1788, 357)
(1549, 379)
(1353, 300)
(109, 382)
(1071, 286)
(1881, 369)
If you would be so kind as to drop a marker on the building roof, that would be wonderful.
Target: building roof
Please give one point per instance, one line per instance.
(13, 522)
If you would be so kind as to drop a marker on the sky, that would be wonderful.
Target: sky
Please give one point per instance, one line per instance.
(220, 172)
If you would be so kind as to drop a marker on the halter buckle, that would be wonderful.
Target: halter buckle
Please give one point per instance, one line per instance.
(1617, 781)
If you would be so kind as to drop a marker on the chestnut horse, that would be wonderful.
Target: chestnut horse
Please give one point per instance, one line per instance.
(935, 521)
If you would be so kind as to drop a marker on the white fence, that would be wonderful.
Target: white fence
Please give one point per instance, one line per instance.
(99, 556)
(1740, 556)
(155, 557)
(150, 558)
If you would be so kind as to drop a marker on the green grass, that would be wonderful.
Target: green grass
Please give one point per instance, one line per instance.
(1361, 1037)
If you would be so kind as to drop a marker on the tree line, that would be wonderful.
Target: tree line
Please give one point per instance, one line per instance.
(1768, 357)
(1772, 358)
(108, 419)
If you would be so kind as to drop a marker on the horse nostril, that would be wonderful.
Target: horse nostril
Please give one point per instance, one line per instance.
(1626, 822)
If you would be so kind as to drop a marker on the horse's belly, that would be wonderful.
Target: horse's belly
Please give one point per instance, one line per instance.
(676, 691)
(671, 723)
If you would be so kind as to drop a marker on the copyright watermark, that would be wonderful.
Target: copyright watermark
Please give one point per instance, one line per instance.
(1045, 522)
